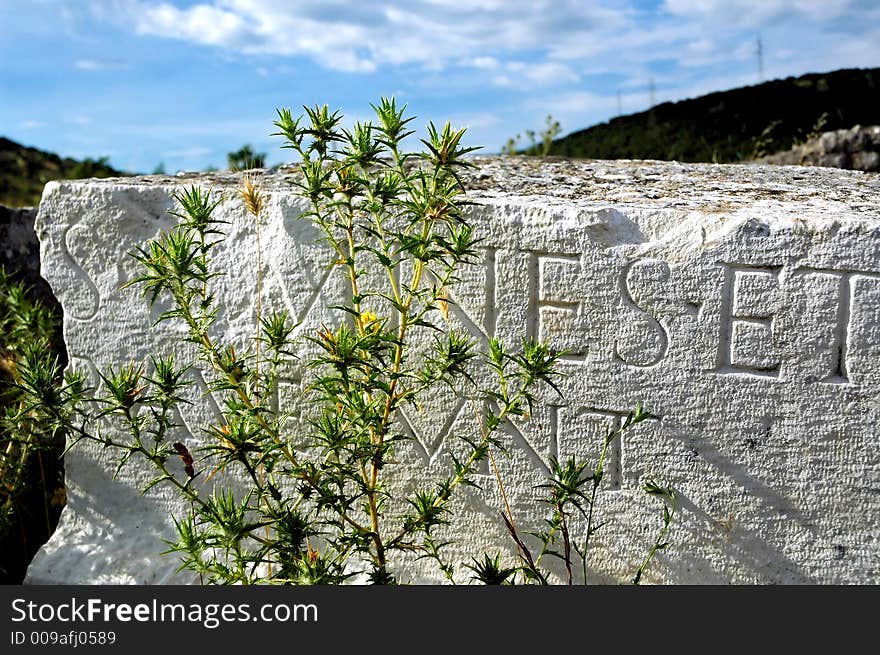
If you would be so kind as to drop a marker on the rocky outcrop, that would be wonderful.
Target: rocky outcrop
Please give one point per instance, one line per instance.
(857, 148)
(20, 252)
(19, 248)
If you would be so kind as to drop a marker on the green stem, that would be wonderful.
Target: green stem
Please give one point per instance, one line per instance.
(656, 546)
(597, 480)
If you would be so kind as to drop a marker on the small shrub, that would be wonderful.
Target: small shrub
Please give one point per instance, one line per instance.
(31, 478)
(537, 147)
(245, 159)
(319, 507)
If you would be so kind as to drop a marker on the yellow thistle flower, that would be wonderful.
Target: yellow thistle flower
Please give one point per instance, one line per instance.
(443, 302)
(368, 321)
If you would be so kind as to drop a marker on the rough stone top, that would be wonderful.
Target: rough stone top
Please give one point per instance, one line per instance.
(639, 183)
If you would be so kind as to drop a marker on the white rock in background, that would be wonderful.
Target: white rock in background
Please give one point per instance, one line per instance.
(857, 148)
(740, 304)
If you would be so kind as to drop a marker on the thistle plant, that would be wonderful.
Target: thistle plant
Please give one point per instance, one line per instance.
(318, 503)
(572, 492)
(540, 143)
(31, 479)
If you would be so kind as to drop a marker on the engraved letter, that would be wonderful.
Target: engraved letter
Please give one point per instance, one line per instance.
(551, 312)
(491, 315)
(744, 326)
(582, 434)
(653, 271)
(840, 332)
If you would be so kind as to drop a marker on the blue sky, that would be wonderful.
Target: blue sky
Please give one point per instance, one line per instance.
(183, 82)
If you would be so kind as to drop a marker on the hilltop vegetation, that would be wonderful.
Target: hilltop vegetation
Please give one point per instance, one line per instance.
(24, 171)
(727, 126)
(736, 125)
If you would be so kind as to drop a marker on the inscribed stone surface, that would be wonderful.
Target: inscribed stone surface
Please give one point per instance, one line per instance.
(740, 304)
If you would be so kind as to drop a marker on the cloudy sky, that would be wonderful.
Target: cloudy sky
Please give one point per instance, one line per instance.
(183, 82)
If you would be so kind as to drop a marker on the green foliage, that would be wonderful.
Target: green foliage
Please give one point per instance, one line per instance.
(245, 158)
(89, 167)
(539, 144)
(768, 141)
(668, 497)
(319, 506)
(25, 171)
(572, 492)
(819, 127)
(773, 139)
(31, 482)
(490, 571)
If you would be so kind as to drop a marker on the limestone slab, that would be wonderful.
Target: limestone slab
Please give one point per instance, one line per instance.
(740, 304)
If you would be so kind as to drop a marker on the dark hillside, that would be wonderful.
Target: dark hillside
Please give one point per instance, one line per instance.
(24, 171)
(735, 125)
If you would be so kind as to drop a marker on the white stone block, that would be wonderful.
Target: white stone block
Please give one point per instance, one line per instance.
(740, 304)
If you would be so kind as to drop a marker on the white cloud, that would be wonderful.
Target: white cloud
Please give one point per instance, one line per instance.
(362, 37)
(474, 121)
(527, 76)
(574, 104)
(201, 23)
(517, 44)
(755, 12)
(522, 75)
(257, 28)
(555, 49)
(484, 63)
(31, 124)
(194, 152)
(100, 64)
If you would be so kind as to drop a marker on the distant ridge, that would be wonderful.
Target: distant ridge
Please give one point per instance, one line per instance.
(24, 172)
(736, 125)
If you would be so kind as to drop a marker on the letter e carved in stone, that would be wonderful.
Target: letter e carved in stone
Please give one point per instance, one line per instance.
(745, 339)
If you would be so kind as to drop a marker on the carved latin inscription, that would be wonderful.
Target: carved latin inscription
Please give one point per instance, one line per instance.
(613, 464)
(750, 301)
(745, 338)
(841, 327)
(639, 282)
(580, 430)
(555, 308)
(729, 300)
